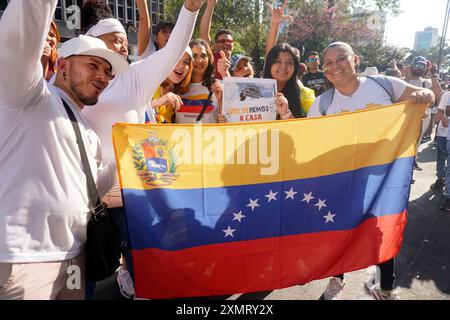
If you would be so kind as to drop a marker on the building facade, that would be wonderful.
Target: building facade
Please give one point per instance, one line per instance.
(426, 39)
(67, 17)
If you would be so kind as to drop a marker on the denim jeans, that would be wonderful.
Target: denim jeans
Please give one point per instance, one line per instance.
(447, 173)
(441, 157)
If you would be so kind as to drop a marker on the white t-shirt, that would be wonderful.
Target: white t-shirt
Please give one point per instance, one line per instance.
(445, 101)
(421, 83)
(44, 200)
(369, 93)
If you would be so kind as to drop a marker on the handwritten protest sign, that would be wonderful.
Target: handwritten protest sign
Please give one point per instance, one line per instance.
(249, 100)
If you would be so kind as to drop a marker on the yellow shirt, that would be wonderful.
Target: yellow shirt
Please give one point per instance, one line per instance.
(164, 114)
(307, 97)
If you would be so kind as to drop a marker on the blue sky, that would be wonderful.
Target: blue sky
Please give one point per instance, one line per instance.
(416, 15)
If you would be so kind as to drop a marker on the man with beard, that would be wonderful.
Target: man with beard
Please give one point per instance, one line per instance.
(45, 201)
(415, 76)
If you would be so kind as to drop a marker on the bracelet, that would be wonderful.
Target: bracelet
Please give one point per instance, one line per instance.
(286, 115)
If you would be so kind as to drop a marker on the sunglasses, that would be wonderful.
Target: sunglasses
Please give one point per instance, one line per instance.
(312, 59)
(420, 66)
(225, 41)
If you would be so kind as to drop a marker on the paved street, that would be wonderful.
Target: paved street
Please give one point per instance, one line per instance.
(423, 265)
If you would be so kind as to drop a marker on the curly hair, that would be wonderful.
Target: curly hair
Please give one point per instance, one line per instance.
(92, 12)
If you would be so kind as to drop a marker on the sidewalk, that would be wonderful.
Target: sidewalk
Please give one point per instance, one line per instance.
(423, 265)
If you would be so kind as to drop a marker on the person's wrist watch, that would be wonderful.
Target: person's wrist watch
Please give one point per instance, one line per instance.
(287, 115)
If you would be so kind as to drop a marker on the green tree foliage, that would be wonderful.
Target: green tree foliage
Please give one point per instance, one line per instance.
(240, 16)
(317, 23)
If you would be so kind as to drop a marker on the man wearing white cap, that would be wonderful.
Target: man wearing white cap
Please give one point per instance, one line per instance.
(45, 203)
(128, 95)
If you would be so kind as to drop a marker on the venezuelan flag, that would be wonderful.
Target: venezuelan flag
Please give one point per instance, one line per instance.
(224, 209)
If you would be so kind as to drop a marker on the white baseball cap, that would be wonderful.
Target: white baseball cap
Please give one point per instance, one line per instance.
(106, 26)
(90, 46)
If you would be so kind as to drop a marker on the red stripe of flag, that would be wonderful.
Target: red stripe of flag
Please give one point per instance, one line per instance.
(266, 264)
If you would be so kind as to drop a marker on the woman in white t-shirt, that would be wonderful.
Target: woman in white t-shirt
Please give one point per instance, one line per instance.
(204, 90)
(350, 93)
(353, 92)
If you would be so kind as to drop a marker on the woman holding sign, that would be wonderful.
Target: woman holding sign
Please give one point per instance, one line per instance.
(202, 101)
(283, 64)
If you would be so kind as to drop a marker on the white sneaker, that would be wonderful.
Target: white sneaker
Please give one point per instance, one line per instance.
(126, 286)
(334, 289)
(379, 294)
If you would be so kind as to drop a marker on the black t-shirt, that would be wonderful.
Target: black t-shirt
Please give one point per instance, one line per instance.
(315, 81)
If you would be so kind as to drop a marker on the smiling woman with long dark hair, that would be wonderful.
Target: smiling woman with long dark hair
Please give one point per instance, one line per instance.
(283, 65)
(204, 90)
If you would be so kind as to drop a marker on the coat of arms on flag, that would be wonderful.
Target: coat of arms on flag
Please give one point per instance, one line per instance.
(262, 206)
(154, 160)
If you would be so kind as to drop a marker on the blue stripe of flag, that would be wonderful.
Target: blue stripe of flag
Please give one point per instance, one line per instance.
(178, 219)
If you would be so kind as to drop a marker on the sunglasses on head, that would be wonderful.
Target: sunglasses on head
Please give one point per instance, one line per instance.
(312, 59)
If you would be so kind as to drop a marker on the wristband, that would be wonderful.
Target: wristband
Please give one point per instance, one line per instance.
(286, 115)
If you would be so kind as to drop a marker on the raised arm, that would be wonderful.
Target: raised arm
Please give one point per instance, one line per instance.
(24, 26)
(436, 88)
(145, 26)
(205, 23)
(278, 17)
(150, 72)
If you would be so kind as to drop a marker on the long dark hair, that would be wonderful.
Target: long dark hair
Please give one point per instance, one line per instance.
(208, 77)
(292, 89)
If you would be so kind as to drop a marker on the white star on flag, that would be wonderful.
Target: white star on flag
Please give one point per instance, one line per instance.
(271, 196)
(253, 204)
(290, 194)
(329, 217)
(229, 232)
(308, 197)
(321, 204)
(238, 216)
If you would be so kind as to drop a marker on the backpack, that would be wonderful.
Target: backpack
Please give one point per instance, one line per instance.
(327, 97)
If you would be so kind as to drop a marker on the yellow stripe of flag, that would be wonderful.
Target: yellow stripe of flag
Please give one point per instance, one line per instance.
(189, 156)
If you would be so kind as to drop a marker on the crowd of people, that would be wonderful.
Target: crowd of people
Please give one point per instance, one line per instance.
(43, 223)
